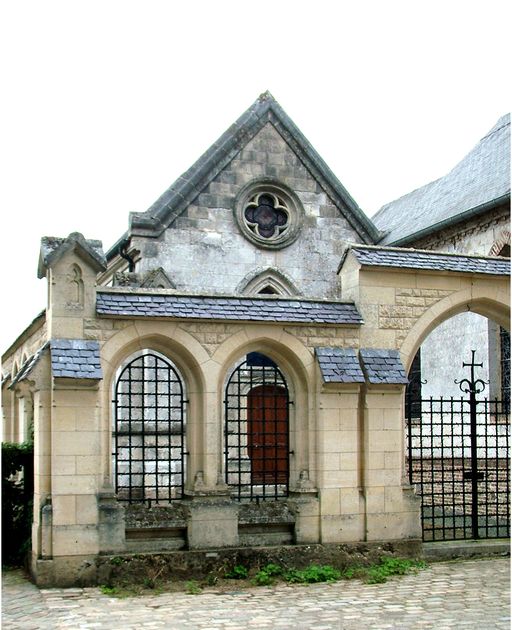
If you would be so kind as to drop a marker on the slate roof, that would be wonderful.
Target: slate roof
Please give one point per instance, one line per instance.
(184, 190)
(420, 259)
(52, 248)
(28, 366)
(480, 181)
(383, 367)
(124, 304)
(339, 365)
(75, 358)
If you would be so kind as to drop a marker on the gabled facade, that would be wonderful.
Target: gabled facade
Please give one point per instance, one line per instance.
(203, 217)
(232, 372)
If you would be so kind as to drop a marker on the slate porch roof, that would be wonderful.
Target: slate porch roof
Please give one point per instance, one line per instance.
(75, 358)
(376, 366)
(383, 367)
(183, 191)
(125, 304)
(339, 365)
(481, 181)
(28, 366)
(389, 257)
(70, 358)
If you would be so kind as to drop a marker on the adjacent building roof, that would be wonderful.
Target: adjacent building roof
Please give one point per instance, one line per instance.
(121, 304)
(28, 366)
(369, 256)
(52, 248)
(75, 358)
(478, 183)
(383, 367)
(183, 191)
(339, 365)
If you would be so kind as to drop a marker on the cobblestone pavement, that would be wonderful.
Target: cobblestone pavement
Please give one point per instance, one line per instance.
(464, 594)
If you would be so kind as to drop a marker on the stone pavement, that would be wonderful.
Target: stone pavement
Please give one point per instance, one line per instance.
(463, 594)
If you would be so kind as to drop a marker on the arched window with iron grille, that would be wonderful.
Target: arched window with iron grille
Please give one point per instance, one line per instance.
(257, 430)
(148, 440)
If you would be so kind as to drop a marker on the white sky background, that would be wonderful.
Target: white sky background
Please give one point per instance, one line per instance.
(105, 103)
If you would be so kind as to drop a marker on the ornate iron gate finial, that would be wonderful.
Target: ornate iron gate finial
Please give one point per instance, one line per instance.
(472, 385)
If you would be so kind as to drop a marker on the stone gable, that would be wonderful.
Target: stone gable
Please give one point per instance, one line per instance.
(204, 250)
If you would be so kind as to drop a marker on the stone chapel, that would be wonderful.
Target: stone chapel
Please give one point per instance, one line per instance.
(232, 372)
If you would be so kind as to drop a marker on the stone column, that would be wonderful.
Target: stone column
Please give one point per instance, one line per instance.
(341, 510)
(213, 516)
(68, 422)
(392, 509)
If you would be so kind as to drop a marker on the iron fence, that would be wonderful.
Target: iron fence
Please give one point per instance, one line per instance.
(458, 459)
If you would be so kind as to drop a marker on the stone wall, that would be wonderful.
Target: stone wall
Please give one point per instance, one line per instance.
(475, 236)
(479, 235)
(18, 404)
(205, 251)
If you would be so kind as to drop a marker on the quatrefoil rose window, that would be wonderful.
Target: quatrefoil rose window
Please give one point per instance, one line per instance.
(269, 214)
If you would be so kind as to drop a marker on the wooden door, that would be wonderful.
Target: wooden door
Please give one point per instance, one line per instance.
(267, 415)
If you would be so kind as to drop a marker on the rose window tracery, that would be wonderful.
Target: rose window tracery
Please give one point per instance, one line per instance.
(267, 215)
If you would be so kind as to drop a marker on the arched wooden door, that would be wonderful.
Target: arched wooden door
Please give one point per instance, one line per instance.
(267, 439)
(257, 402)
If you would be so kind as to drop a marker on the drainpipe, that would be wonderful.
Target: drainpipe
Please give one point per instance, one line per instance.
(122, 251)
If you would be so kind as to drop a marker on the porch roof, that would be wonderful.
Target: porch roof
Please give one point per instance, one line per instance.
(339, 365)
(131, 304)
(391, 257)
(28, 366)
(383, 366)
(372, 365)
(75, 358)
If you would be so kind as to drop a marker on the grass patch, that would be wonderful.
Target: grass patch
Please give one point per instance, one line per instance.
(192, 587)
(312, 575)
(238, 572)
(379, 573)
(267, 575)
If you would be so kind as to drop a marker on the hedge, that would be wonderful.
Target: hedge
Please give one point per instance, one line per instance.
(17, 499)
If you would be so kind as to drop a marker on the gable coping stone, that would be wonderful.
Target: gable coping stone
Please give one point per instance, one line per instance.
(183, 191)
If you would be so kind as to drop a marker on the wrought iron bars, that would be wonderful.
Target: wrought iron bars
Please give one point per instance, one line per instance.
(257, 430)
(149, 432)
(458, 458)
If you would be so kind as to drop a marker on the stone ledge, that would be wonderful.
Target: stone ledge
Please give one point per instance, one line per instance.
(88, 571)
(451, 549)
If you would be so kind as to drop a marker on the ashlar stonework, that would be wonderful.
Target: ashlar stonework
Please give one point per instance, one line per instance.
(193, 390)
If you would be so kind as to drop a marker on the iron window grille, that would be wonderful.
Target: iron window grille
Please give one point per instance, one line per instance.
(148, 440)
(257, 430)
(413, 389)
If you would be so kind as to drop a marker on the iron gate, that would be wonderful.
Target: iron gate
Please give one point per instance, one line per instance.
(458, 460)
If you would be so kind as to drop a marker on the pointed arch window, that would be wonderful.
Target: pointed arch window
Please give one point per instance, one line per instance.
(267, 282)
